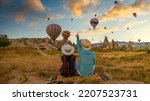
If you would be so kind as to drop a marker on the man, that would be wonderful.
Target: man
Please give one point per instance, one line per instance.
(87, 62)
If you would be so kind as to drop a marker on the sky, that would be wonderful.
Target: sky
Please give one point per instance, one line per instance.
(28, 19)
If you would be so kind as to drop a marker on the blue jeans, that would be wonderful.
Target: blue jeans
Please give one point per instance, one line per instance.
(77, 68)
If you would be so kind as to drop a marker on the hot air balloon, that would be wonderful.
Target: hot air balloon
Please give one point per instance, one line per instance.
(94, 22)
(104, 27)
(139, 40)
(66, 34)
(95, 15)
(116, 2)
(134, 14)
(128, 28)
(53, 30)
(48, 18)
(71, 19)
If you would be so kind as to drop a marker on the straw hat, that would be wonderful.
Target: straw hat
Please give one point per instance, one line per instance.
(86, 44)
(67, 49)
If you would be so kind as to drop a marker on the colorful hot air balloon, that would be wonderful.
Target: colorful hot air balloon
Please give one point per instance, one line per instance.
(134, 14)
(94, 22)
(66, 34)
(53, 30)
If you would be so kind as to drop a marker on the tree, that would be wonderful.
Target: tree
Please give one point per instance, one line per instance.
(4, 42)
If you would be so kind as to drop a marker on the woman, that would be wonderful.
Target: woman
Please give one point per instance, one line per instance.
(87, 58)
(68, 61)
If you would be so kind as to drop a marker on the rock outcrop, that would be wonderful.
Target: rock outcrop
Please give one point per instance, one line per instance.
(38, 43)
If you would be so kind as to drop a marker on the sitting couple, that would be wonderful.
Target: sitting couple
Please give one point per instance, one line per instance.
(87, 62)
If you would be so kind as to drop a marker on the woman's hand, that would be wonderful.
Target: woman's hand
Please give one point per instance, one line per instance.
(77, 36)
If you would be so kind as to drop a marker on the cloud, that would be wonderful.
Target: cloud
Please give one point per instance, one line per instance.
(20, 19)
(114, 28)
(99, 30)
(133, 24)
(35, 5)
(121, 11)
(55, 16)
(79, 7)
(34, 23)
(28, 7)
(4, 2)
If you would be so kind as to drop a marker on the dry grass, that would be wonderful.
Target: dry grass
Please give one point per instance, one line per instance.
(16, 62)
(28, 65)
(125, 65)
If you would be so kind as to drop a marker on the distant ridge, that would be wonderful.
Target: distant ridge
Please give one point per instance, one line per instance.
(134, 44)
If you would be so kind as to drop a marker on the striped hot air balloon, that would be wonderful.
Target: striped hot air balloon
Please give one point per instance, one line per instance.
(66, 34)
(53, 30)
(94, 22)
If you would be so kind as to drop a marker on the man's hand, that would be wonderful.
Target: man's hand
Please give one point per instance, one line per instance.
(77, 36)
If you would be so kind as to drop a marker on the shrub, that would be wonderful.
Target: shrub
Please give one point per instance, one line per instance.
(4, 42)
